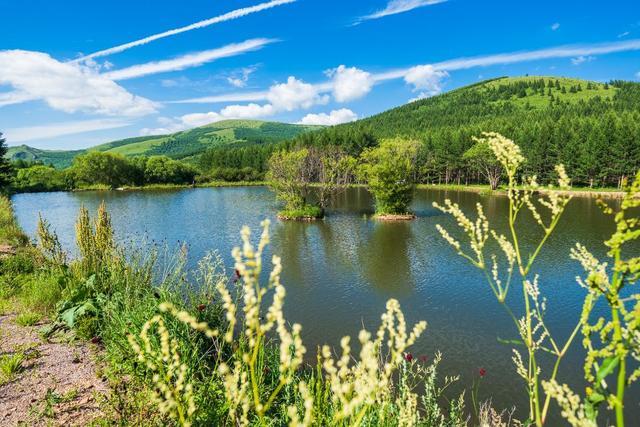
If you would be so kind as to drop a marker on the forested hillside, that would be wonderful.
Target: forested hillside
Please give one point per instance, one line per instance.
(180, 145)
(593, 128)
(59, 159)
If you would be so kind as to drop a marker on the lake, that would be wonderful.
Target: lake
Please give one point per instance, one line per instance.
(340, 271)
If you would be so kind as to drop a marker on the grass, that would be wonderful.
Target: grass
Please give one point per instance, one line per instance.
(51, 400)
(10, 366)
(486, 189)
(28, 318)
(305, 213)
(138, 148)
(10, 232)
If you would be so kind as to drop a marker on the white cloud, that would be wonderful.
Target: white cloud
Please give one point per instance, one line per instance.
(227, 97)
(447, 66)
(65, 87)
(350, 83)
(535, 55)
(399, 6)
(24, 134)
(425, 78)
(243, 77)
(238, 13)
(625, 34)
(638, 75)
(582, 59)
(555, 26)
(187, 121)
(335, 117)
(177, 82)
(188, 61)
(294, 94)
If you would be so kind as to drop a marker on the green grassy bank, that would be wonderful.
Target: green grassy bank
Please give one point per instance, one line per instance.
(207, 348)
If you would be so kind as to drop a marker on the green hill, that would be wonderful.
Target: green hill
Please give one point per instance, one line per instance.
(57, 158)
(501, 101)
(180, 145)
(590, 127)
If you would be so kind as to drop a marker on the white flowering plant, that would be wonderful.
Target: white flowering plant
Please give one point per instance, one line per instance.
(609, 343)
(523, 195)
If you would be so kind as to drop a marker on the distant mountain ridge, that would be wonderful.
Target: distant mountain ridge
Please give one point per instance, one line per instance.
(179, 145)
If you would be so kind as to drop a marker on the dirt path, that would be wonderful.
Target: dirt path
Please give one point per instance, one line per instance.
(57, 385)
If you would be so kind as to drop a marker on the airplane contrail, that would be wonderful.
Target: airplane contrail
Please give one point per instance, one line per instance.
(234, 14)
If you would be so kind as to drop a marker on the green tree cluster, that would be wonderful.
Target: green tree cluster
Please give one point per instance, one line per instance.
(305, 179)
(389, 171)
(5, 166)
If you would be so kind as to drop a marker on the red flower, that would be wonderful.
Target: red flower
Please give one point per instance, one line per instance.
(95, 340)
(482, 372)
(201, 307)
(408, 357)
(424, 358)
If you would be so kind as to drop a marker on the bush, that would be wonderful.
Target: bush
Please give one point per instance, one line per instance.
(96, 167)
(389, 172)
(40, 178)
(163, 170)
(306, 212)
(10, 232)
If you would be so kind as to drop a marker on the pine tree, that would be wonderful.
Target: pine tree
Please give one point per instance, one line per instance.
(5, 166)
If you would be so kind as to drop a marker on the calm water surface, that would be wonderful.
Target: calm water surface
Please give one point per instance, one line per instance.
(339, 272)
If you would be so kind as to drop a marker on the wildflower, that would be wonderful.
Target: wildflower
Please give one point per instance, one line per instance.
(424, 358)
(408, 357)
(95, 340)
(202, 307)
(482, 372)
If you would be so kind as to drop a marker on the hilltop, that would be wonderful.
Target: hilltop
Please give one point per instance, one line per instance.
(504, 98)
(180, 145)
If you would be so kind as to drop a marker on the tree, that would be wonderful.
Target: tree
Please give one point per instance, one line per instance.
(101, 168)
(288, 177)
(481, 158)
(163, 170)
(389, 173)
(40, 178)
(331, 169)
(5, 166)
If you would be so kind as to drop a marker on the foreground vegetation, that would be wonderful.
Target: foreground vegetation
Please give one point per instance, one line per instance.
(209, 349)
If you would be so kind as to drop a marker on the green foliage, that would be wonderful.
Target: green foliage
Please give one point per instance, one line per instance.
(40, 178)
(287, 176)
(481, 158)
(10, 232)
(5, 166)
(58, 159)
(534, 334)
(163, 170)
(305, 212)
(389, 172)
(180, 145)
(592, 132)
(10, 366)
(108, 169)
(28, 318)
(612, 344)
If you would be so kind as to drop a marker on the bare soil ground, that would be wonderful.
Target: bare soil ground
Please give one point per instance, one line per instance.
(58, 384)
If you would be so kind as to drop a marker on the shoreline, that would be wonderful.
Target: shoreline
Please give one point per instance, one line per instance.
(610, 193)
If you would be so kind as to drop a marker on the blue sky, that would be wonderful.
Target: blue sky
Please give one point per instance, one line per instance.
(65, 83)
